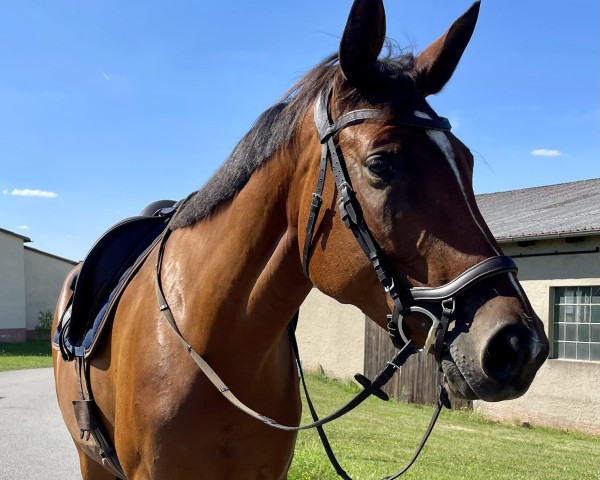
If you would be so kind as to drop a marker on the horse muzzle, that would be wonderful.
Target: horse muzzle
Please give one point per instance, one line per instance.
(497, 355)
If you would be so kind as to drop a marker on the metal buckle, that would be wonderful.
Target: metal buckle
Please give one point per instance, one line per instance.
(449, 309)
(317, 200)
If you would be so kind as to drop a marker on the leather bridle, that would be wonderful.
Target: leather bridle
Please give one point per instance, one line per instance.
(428, 301)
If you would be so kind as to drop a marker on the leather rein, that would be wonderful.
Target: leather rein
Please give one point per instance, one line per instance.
(425, 300)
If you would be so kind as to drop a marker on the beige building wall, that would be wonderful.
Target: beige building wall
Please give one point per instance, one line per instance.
(565, 393)
(44, 275)
(12, 288)
(331, 336)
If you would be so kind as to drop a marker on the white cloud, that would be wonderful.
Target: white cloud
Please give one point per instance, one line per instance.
(24, 227)
(544, 152)
(31, 193)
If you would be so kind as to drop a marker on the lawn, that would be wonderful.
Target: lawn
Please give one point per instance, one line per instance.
(32, 354)
(379, 438)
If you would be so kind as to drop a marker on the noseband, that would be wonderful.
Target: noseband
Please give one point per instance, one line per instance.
(428, 301)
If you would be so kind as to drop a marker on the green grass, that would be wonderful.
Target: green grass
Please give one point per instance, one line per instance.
(379, 438)
(32, 354)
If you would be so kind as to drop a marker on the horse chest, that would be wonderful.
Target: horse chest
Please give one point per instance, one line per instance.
(187, 428)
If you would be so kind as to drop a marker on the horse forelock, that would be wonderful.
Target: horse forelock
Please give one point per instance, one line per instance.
(277, 126)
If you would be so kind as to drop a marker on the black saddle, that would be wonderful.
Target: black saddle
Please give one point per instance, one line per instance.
(106, 270)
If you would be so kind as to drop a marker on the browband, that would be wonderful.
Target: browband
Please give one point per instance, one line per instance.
(328, 129)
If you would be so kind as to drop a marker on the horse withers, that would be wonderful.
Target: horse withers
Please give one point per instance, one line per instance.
(243, 252)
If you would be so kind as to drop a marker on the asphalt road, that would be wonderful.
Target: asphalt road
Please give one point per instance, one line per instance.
(34, 443)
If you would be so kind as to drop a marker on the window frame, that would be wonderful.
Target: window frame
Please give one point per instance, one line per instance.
(570, 333)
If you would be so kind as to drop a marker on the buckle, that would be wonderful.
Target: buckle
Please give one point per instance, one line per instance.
(448, 305)
(317, 200)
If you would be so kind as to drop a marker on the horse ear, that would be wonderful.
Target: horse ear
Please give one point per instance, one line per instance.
(435, 65)
(362, 40)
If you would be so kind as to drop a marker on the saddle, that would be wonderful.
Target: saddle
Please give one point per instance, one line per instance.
(106, 271)
(97, 286)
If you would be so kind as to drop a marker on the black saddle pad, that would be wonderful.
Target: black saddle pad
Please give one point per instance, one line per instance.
(106, 267)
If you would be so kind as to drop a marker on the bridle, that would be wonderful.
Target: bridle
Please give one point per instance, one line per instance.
(429, 301)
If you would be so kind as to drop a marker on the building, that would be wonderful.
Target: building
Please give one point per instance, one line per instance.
(553, 234)
(30, 281)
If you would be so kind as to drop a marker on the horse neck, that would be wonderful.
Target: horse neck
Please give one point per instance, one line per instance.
(238, 273)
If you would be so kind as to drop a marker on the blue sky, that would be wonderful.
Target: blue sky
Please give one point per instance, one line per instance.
(106, 106)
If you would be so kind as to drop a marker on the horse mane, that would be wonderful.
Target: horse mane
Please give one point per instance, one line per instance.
(274, 129)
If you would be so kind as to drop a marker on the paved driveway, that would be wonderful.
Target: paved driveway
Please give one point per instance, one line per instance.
(34, 443)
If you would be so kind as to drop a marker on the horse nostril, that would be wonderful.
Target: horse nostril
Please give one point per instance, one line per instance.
(506, 353)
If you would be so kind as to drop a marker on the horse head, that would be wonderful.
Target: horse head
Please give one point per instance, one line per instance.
(408, 183)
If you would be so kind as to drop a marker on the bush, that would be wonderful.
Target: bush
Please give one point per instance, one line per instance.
(45, 322)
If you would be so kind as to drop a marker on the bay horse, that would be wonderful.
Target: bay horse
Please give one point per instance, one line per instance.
(240, 260)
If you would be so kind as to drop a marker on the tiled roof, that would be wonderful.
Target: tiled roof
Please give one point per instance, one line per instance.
(555, 210)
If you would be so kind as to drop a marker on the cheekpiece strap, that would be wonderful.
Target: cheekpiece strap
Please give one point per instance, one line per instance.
(348, 207)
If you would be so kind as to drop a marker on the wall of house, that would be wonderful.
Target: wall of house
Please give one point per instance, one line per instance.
(12, 289)
(565, 393)
(30, 282)
(331, 336)
(44, 275)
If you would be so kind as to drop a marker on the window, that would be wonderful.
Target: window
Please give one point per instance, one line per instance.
(577, 323)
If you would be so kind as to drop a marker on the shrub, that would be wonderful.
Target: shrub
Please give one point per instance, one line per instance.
(45, 322)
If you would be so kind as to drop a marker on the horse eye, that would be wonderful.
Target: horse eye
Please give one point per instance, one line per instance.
(379, 166)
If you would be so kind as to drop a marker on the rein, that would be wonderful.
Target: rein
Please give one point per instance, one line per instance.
(374, 387)
(425, 300)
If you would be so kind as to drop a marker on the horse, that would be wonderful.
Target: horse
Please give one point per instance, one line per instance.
(239, 260)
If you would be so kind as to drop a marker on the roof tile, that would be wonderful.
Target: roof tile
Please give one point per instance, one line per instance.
(563, 209)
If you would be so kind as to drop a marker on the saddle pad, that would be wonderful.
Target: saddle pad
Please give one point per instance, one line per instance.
(106, 270)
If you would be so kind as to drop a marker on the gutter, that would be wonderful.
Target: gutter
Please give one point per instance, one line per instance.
(555, 253)
(548, 236)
